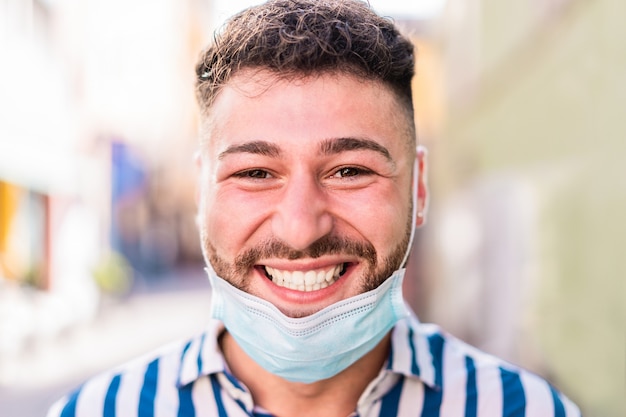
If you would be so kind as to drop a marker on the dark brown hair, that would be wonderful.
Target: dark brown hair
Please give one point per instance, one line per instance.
(299, 38)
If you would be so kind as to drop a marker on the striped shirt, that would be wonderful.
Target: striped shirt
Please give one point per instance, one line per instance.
(428, 373)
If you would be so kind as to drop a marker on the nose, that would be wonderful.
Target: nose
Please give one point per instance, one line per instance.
(301, 215)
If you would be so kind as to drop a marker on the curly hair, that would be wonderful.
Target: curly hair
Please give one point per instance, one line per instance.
(299, 38)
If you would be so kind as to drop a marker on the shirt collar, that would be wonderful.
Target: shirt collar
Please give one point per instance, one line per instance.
(415, 351)
(202, 355)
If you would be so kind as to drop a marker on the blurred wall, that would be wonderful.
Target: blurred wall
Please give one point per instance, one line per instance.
(531, 190)
(78, 82)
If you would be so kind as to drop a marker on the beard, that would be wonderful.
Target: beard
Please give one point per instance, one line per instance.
(237, 272)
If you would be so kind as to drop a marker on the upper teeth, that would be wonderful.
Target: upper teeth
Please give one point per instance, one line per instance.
(305, 280)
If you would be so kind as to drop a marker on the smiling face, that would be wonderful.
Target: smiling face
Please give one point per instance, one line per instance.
(305, 187)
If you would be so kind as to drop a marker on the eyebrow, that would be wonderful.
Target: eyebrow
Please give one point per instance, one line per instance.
(257, 147)
(327, 147)
(338, 145)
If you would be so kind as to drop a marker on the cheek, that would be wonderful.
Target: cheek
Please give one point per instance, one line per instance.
(390, 227)
(231, 219)
(380, 216)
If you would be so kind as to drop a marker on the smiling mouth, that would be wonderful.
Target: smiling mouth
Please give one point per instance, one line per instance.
(306, 280)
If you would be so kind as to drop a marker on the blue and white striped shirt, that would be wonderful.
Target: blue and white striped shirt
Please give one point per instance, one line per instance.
(428, 373)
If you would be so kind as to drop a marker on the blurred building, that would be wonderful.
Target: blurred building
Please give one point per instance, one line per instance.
(528, 190)
(91, 92)
(97, 132)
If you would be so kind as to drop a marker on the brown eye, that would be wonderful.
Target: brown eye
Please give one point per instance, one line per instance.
(257, 173)
(350, 172)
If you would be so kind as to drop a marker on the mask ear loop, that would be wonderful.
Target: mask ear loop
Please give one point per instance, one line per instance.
(413, 214)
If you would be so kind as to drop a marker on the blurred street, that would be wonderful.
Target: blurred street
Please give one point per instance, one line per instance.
(520, 104)
(166, 309)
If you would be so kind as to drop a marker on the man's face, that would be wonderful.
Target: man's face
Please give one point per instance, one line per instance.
(305, 188)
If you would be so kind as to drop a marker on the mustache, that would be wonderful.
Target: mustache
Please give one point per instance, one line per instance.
(327, 245)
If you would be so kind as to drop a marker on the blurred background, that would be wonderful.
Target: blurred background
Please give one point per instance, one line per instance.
(521, 104)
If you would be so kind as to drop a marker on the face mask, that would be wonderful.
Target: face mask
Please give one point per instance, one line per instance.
(318, 346)
(311, 348)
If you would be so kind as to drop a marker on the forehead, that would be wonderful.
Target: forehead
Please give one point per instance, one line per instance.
(258, 105)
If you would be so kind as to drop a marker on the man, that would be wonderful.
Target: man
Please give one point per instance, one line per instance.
(311, 185)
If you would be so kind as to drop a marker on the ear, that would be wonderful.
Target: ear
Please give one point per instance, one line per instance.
(422, 185)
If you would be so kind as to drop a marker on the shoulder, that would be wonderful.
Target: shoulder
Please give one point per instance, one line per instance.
(154, 378)
(470, 380)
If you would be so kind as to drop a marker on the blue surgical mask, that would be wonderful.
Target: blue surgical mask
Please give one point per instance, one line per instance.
(312, 348)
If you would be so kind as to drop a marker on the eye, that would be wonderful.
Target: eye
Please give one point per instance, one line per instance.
(254, 174)
(346, 172)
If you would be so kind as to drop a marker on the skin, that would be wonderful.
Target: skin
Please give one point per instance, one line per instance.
(299, 175)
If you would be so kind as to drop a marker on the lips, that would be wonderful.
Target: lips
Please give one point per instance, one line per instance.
(306, 281)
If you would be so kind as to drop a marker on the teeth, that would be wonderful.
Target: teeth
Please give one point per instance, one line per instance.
(310, 278)
(305, 281)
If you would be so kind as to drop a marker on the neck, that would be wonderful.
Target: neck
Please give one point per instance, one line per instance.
(336, 396)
